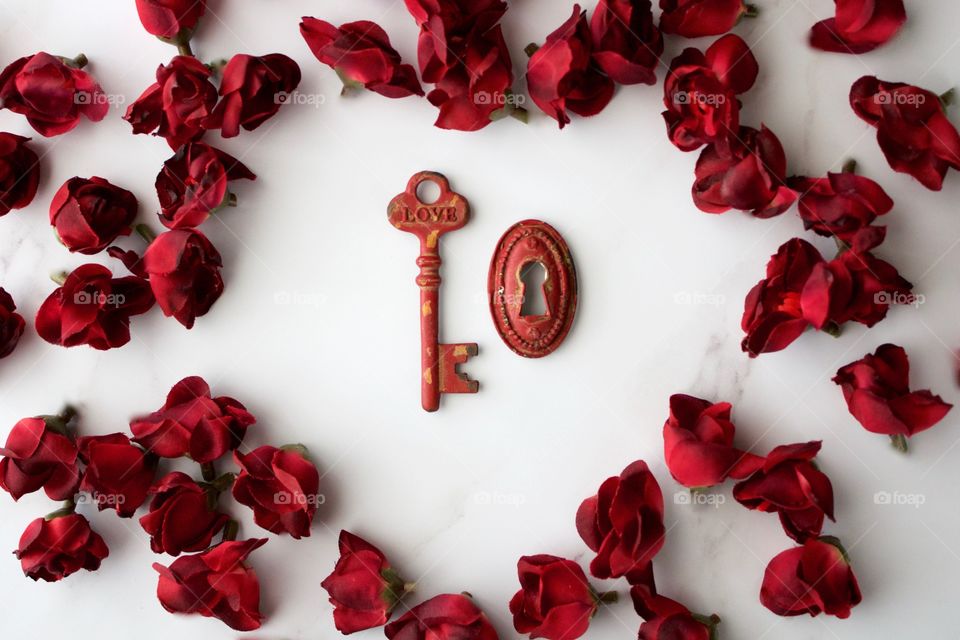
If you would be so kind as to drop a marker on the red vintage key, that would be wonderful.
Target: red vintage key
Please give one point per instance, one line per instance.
(428, 222)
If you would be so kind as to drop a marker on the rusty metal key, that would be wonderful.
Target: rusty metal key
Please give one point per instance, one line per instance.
(429, 221)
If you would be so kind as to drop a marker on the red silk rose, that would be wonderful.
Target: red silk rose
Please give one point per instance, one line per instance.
(169, 19)
(772, 315)
(841, 204)
(696, 18)
(19, 172)
(859, 26)
(40, 455)
(700, 93)
(855, 286)
(461, 51)
(698, 444)
(93, 308)
(252, 90)
(281, 486)
(746, 172)
(443, 617)
(666, 619)
(623, 523)
(214, 584)
(90, 213)
(562, 76)
(363, 587)
(12, 324)
(790, 485)
(555, 600)
(361, 54)
(51, 93)
(53, 549)
(193, 184)
(181, 517)
(626, 43)
(184, 271)
(913, 130)
(118, 474)
(814, 578)
(193, 423)
(176, 106)
(878, 395)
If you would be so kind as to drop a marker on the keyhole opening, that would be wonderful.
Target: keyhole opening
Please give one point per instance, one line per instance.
(428, 191)
(533, 275)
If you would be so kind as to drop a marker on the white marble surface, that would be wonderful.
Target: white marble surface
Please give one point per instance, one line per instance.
(454, 498)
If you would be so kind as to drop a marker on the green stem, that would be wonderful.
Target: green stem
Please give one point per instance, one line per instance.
(59, 277)
(69, 506)
(146, 233)
(230, 530)
(946, 98)
(899, 442)
(184, 49)
(850, 166)
(751, 11)
(208, 471)
(607, 597)
(531, 49)
(79, 61)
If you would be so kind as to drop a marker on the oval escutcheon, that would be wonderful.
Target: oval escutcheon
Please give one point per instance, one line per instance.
(532, 330)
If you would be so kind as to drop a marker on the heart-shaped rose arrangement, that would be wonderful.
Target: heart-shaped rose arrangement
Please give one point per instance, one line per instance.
(462, 53)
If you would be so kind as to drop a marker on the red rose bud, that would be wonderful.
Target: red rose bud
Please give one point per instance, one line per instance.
(443, 617)
(181, 517)
(12, 324)
(855, 286)
(93, 308)
(623, 523)
(841, 204)
(877, 392)
(561, 75)
(555, 600)
(815, 578)
(19, 173)
(913, 130)
(461, 50)
(626, 43)
(193, 423)
(193, 184)
(790, 485)
(698, 444)
(859, 26)
(39, 454)
(361, 54)
(53, 549)
(168, 19)
(747, 172)
(696, 18)
(89, 214)
(281, 486)
(772, 315)
(363, 588)
(700, 93)
(252, 90)
(666, 619)
(176, 106)
(184, 271)
(118, 474)
(214, 584)
(51, 94)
